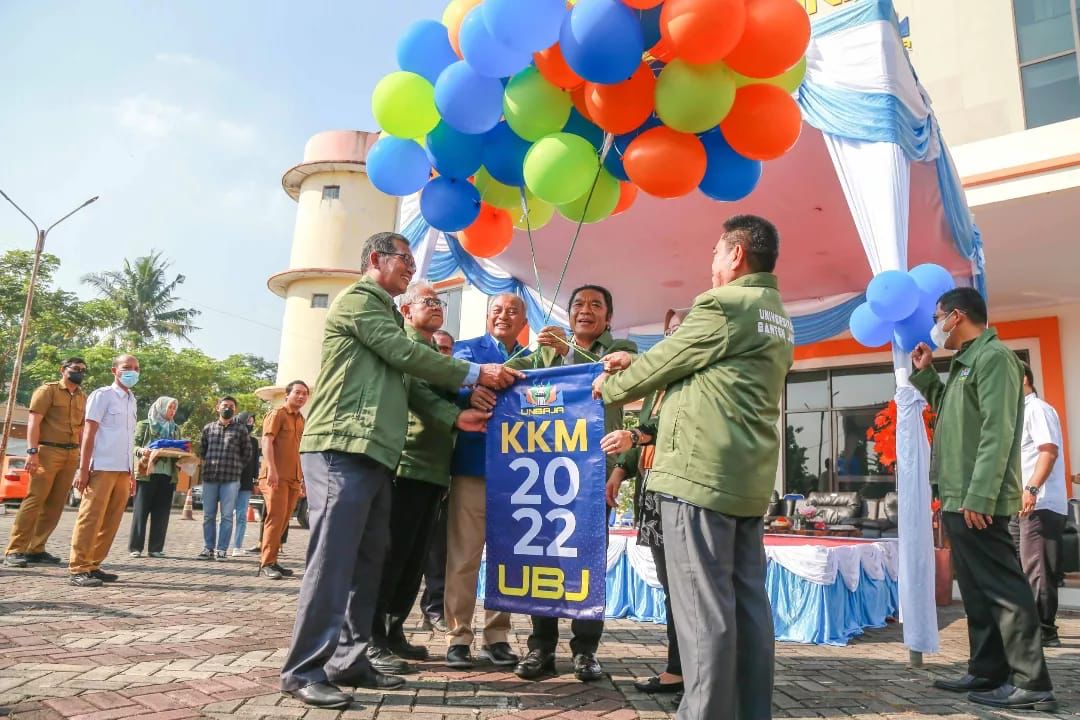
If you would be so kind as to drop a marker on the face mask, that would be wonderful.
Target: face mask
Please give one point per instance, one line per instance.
(226, 413)
(938, 335)
(129, 378)
(76, 377)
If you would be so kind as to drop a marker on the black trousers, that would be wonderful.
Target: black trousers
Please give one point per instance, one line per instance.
(1003, 625)
(674, 664)
(414, 504)
(1038, 540)
(153, 503)
(431, 602)
(585, 634)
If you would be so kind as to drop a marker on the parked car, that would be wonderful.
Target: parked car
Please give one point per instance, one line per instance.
(15, 480)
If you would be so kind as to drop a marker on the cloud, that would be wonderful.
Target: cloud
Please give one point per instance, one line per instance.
(178, 59)
(159, 120)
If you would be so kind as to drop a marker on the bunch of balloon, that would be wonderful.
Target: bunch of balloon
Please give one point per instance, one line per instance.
(899, 307)
(550, 106)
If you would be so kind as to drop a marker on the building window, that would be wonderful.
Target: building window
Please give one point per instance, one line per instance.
(331, 192)
(1048, 38)
(320, 300)
(452, 312)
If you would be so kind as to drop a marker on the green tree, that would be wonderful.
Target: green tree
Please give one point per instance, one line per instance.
(147, 301)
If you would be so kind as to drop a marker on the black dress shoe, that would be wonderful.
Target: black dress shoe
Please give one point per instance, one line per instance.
(402, 648)
(499, 654)
(459, 657)
(322, 695)
(85, 580)
(43, 558)
(285, 572)
(369, 679)
(385, 661)
(270, 572)
(1051, 642)
(1014, 698)
(965, 683)
(587, 667)
(104, 576)
(653, 686)
(15, 559)
(535, 665)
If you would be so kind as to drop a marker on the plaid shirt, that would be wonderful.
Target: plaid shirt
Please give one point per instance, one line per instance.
(224, 450)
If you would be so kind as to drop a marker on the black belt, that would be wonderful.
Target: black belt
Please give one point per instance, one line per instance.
(61, 446)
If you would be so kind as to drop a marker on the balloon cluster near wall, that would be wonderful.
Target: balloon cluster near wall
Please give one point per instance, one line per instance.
(900, 306)
(509, 111)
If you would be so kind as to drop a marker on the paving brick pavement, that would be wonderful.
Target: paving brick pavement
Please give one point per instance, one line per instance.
(178, 638)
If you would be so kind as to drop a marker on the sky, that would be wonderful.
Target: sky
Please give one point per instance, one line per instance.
(182, 116)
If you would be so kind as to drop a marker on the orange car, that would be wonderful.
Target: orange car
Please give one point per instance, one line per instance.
(15, 480)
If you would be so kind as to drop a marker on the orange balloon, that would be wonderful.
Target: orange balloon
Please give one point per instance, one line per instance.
(662, 51)
(552, 65)
(627, 195)
(624, 106)
(489, 234)
(703, 31)
(764, 123)
(642, 4)
(454, 13)
(776, 35)
(578, 96)
(665, 163)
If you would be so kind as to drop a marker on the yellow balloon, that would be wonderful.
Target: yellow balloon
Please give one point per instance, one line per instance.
(540, 213)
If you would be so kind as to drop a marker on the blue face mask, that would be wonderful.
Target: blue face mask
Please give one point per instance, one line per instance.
(129, 378)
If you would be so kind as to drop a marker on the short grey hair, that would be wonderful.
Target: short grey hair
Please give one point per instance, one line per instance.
(518, 298)
(380, 243)
(413, 292)
(443, 332)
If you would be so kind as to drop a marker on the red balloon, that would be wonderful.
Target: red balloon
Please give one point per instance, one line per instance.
(552, 65)
(624, 106)
(627, 195)
(578, 96)
(642, 4)
(776, 35)
(489, 234)
(764, 123)
(703, 31)
(665, 163)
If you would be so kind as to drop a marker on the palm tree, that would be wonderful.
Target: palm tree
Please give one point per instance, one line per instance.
(146, 299)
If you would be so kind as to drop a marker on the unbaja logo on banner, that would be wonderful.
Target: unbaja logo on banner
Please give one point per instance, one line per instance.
(541, 400)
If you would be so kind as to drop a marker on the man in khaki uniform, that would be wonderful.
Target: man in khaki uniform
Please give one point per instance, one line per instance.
(280, 477)
(717, 448)
(57, 410)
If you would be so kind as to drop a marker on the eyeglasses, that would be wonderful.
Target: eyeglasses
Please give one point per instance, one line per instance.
(406, 258)
(431, 302)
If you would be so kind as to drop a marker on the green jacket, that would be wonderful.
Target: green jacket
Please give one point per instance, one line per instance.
(975, 460)
(428, 445)
(360, 404)
(144, 435)
(718, 442)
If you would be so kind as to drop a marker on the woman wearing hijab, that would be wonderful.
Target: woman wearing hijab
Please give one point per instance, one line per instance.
(247, 485)
(156, 479)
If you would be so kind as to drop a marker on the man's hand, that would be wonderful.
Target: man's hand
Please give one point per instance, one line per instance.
(483, 399)
(32, 463)
(472, 420)
(977, 521)
(922, 357)
(616, 442)
(1028, 505)
(598, 386)
(611, 490)
(617, 361)
(273, 479)
(497, 376)
(131, 478)
(82, 479)
(553, 337)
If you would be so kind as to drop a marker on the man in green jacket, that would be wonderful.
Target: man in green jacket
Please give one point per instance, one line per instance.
(353, 439)
(717, 448)
(975, 463)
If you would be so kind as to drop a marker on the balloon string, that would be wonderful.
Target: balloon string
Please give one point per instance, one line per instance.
(532, 247)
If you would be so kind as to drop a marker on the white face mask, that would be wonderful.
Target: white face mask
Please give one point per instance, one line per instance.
(938, 335)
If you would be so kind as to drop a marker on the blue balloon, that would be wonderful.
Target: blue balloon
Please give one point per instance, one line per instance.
(932, 280)
(467, 101)
(488, 56)
(868, 329)
(529, 26)
(728, 175)
(649, 20)
(892, 295)
(578, 125)
(504, 155)
(397, 166)
(454, 154)
(916, 328)
(450, 205)
(425, 49)
(602, 41)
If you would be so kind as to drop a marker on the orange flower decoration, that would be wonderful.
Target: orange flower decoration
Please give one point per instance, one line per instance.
(883, 433)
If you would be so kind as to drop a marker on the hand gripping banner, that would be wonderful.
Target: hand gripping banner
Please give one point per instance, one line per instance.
(546, 529)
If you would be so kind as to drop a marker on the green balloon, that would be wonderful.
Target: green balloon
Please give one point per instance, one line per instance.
(789, 80)
(534, 107)
(540, 213)
(404, 105)
(694, 98)
(605, 196)
(561, 167)
(495, 193)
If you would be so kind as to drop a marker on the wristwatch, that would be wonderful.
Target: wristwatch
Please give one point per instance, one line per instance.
(31, 451)
(1034, 490)
(635, 437)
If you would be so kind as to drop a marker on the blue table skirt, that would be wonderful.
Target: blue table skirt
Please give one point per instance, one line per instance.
(803, 611)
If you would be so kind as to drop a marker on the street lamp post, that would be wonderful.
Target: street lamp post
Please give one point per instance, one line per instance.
(38, 248)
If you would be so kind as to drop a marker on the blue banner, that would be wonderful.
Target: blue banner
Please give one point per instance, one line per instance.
(546, 529)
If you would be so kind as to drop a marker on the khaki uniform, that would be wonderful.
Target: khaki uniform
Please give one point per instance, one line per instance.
(62, 413)
(286, 428)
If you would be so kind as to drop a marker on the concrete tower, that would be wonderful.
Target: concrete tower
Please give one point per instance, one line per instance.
(337, 210)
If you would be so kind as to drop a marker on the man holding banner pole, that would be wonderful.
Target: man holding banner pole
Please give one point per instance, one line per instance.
(715, 467)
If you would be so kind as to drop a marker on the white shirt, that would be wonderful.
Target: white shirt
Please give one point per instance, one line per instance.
(114, 410)
(1042, 427)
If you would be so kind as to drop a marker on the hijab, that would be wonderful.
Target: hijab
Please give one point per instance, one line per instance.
(156, 415)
